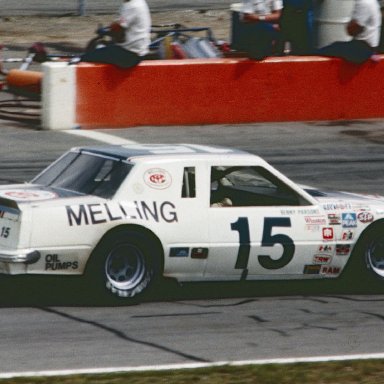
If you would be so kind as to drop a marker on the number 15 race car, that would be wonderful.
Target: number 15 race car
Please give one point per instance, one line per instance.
(130, 214)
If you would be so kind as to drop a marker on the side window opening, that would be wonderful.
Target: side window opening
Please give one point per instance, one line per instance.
(243, 186)
(189, 183)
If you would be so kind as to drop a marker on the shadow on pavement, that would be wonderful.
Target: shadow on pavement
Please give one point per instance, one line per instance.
(37, 291)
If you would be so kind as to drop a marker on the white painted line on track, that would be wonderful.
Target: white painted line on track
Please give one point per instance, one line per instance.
(100, 136)
(169, 367)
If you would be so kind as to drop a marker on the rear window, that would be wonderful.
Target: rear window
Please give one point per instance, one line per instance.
(85, 173)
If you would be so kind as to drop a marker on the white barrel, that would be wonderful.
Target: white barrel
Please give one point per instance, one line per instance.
(330, 21)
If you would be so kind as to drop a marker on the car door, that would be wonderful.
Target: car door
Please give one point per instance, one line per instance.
(261, 228)
(187, 242)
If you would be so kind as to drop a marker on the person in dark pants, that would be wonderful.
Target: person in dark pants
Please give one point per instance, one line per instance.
(364, 28)
(260, 28)
(381, 43)
(297, 26)
(131, 36)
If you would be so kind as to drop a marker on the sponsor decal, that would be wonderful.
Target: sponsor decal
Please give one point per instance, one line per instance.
(343, 249)
(53, 263)
(337, 205)
(308, 211)
(334, 219)
(289, 212)
(27, 195)
(347, 235)
(301, 211)
(326, 248)
(327, 233)
(199, 253)
(315, 220)
(196, 253)
(310, 269)
(348, 220)
(100, 213)
(322, 259)
(179, 252)
(365, 217)
(330, 270)
(313, 228)
(314, 223)
(157, 178)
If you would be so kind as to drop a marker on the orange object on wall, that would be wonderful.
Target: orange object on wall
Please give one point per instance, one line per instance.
(24, 82)
(216, 91)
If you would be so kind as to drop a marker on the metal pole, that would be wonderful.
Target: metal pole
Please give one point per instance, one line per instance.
(82, 5)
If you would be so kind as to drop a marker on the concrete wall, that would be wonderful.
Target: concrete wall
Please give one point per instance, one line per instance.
(211, 91)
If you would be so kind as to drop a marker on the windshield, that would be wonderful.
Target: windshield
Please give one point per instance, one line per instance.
(85, 173)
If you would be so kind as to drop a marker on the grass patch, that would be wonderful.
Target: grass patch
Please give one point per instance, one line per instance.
(346, 372)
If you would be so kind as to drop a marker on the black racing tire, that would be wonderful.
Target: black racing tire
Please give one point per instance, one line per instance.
(126, 263)
(365, 267)
(373, 250)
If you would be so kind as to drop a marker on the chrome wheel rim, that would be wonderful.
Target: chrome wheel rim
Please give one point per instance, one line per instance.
(125, 267)
(375, 256)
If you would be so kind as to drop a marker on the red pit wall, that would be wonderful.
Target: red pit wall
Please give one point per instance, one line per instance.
(215, 91)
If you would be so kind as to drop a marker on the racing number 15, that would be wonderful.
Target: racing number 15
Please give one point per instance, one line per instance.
(268, 240)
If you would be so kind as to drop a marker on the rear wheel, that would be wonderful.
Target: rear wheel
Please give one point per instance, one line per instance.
(127, 263)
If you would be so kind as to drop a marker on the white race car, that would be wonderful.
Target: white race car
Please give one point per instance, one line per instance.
(130, 214)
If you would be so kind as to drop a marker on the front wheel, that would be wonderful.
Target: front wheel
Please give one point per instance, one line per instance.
(374, 251)
(127, 263)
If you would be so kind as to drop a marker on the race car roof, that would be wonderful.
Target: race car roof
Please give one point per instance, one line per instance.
(135, 150)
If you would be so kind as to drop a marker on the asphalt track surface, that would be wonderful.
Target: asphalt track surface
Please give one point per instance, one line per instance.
(56, 324)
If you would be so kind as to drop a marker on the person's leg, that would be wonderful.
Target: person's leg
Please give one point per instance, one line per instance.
(112, 54)
(261, 39)
(354, 51)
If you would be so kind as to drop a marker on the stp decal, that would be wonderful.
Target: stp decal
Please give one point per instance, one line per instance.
(365, 217)
(157, 178)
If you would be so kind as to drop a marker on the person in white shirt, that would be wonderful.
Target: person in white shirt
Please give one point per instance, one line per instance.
(135, 18)
(260, 27)
(364, 28)
(131, 34)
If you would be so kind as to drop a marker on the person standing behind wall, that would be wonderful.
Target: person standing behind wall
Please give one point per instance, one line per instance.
(131, 34)
(297, 26)
(381, 44)
(260, 28)
(364, 27)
